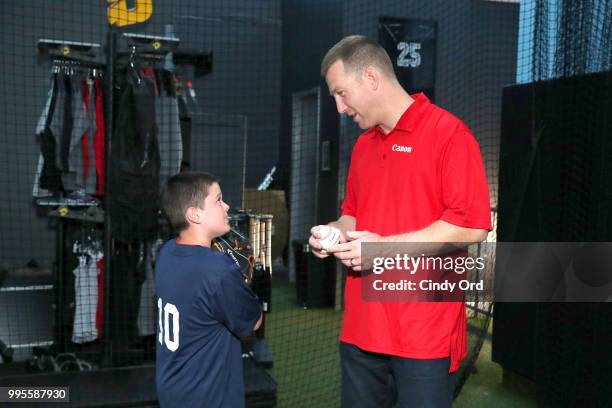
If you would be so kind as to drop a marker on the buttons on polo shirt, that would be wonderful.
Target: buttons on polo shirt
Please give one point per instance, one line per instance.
(382, 152)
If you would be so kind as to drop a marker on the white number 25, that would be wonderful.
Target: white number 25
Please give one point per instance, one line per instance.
(409, 49)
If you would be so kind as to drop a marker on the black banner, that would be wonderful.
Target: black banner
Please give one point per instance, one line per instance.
(411, 44)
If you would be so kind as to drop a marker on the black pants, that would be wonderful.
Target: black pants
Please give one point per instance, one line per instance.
(134, 163)
(128, 275)
(372, 380)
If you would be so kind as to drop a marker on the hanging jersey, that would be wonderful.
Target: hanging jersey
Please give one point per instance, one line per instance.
(86, 300)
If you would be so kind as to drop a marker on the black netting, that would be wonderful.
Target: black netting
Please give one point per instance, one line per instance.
(102, 102)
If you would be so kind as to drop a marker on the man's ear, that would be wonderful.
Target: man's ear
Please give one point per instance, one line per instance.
(371, 76)
(193, 215)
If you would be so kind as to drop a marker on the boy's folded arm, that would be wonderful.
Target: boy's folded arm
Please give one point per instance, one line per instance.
(257, 326)
(236, 306)
(245, 331)
(259, 321)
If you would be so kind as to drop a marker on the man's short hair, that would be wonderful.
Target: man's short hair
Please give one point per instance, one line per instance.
(356, 53)
(182, 191)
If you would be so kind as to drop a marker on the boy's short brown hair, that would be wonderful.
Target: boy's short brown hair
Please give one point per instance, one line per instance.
(357, 52)
(182, 191)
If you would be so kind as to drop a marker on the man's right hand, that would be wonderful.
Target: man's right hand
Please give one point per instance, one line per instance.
(343, 224)
(315, 244)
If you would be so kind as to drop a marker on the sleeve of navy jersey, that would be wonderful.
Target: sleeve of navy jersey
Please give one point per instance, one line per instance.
(234, 304)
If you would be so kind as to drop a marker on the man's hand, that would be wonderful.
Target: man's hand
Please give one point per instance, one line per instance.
(349, 253)
(315, 242)
(343, 224)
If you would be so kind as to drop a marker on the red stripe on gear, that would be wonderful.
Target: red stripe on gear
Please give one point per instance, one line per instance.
(99, 135)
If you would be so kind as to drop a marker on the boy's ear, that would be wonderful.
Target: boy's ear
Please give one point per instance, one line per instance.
(192, 214)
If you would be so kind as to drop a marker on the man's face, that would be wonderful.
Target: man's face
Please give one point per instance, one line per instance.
(214, 214)
(351, 94)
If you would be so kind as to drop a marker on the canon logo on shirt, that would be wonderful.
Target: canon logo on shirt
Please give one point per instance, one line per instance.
(400, 148)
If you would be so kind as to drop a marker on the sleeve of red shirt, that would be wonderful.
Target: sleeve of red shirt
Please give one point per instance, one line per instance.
(464, 182)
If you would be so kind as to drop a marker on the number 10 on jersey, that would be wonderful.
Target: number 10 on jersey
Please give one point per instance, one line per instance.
(168, 324)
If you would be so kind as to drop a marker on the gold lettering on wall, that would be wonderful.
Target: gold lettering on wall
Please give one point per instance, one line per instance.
(119, 15)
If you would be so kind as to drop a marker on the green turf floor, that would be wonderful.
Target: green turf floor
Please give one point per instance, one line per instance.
(490, 386)
(304, 344)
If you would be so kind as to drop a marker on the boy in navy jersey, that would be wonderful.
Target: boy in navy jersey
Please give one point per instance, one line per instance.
(204, 305)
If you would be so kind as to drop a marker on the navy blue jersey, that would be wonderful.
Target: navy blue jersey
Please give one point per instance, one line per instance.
(204, 308)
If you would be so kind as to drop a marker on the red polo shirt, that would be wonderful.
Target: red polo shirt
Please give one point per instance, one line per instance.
(428, 168)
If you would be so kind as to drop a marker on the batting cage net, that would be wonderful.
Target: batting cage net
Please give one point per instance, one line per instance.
(102, 102)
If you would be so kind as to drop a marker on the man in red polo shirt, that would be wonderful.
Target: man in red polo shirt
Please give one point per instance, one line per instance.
(416, 175)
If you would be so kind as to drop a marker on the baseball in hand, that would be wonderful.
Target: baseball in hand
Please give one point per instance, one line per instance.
(329, 236)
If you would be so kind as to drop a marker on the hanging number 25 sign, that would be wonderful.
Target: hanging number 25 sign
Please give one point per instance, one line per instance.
(411, 45)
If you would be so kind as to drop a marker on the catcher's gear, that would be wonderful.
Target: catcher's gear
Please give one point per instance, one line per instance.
(235, 246)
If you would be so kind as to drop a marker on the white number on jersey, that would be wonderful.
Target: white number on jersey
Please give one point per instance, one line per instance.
(171, 342)
(411, 49)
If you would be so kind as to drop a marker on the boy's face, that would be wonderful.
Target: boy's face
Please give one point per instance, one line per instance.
(214, 214)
